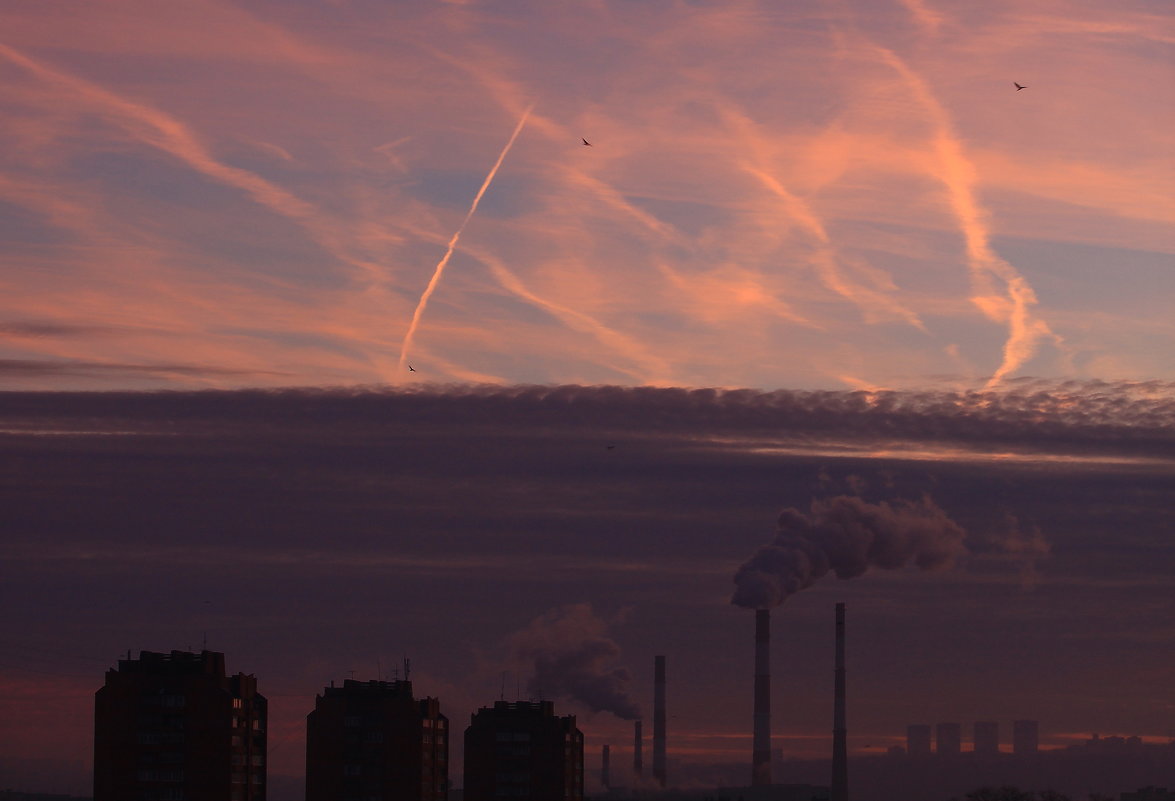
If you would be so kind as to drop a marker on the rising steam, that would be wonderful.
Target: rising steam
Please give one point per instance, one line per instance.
(569, 652)
(847, 536)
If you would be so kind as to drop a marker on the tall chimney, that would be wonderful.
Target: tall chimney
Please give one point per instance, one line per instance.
(638, 750)
(761, 744)
(605, 778)
(659, 720)
(840, 753)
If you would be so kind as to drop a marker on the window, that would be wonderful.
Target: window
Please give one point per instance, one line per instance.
(352, 770)
(352, 721)
(238, 703)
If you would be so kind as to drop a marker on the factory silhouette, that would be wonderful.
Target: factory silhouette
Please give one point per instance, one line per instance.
(177, 727)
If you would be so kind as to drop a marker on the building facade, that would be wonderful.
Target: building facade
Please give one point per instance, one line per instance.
(374, 741)
(521, 750)
(175, 727)
(918, 740)
(1025, 737)
(948, 739)
(985, 737)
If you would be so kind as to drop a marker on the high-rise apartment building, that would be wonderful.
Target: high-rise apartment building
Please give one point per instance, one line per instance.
(948, 739)
(918, 740)
(1025, 737)
(175, 727)
(373, 741)
(985, 737)
(521, 750)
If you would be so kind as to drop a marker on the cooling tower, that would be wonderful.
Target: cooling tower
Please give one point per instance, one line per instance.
(659, 720)
(840, 755)
(761, 744)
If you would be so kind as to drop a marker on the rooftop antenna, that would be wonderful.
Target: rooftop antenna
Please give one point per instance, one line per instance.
(407, 667)
(352, 674)
(205, 645)
(502, 693)
(379, 671)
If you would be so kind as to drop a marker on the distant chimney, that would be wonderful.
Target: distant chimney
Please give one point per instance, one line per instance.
(659, 720)
(839, 791)
(638, 749)
(761, 742)
(605, 779)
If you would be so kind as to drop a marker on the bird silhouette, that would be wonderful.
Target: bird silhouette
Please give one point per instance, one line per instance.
(586, 143)
(411, 369)
(610, 447)
(1018, 86)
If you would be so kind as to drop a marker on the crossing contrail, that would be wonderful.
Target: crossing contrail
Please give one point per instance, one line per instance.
(440, 268)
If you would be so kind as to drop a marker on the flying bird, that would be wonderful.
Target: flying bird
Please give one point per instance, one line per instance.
(1018, 86)
(411, 369)
(586, 143)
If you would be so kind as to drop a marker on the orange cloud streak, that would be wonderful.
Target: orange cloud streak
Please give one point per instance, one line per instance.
(164, 132)
(1014, 306)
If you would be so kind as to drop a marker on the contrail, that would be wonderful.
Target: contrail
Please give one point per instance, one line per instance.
(440, 269)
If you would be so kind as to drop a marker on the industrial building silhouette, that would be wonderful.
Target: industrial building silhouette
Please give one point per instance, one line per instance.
(175, 727)
(373, 740)
(521, 749)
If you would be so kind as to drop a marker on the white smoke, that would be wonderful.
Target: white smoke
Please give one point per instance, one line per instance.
(570, 653)
(846, 535)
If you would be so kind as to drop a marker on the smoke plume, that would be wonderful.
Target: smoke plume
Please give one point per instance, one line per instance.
(846, 535)
(1024, 547)
(569, 651)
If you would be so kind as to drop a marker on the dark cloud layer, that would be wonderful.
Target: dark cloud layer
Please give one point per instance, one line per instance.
(1127, 418)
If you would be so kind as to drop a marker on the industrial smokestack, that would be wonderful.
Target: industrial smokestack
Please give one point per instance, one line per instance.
(638, 749)
(840, 754)
(761, 745)
(605, 778)
(659, 720)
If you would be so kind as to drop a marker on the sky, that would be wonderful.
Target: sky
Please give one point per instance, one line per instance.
(804, 195)
(318, 319)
